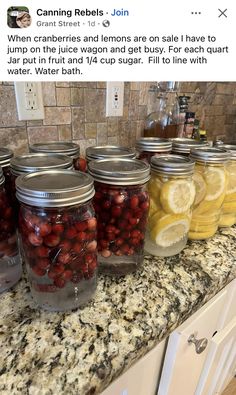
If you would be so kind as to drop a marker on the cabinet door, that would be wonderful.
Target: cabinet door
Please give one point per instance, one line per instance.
(220, 364)
(142, 378)
(182, 365)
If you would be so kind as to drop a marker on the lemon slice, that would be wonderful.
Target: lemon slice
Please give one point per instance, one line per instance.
(209, 207)
(170, 229)
(201, 227)
(177, 196)
(202, 235)
(230, 197)
(231, 188)
(215, 179)
(229, 207)
(154, 187)
(152, 221)
(227, 220)
(200, 186)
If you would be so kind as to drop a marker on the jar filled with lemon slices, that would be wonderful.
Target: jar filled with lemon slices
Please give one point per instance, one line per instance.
(210, 178)
(228, 209)
(172, 193)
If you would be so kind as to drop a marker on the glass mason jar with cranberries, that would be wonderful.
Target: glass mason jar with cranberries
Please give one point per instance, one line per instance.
(121, 203)
(5, 157)
(62, 147)
(10, 262)
(183, 146)
(109, 152)
(58, 230)
(172, 193)
(148, 147)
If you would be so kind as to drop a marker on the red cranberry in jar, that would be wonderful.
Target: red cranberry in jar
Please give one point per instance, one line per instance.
(121, 194)
(58, 232)
(10, 263)
(152, 146)
(62, 147)
(5, 158)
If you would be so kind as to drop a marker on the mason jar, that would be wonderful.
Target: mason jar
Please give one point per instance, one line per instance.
(121, 204)
(109, 152)
(62, 147)
(10, 262)
(228, 209)
(58, 230)
(172, 193)
(183, 146)
(210, 178)
(5, 157)
(152, 146)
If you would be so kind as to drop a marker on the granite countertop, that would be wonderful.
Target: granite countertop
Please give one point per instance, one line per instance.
(84, 351)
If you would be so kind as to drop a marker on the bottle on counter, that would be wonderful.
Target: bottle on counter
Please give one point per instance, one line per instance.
(196, 127)
(152, 146)
(58, 230)
(172, 193)
(10, 262)
(210, 178)
(183, 108)
(228, 209)
(121, 204)
(61, 147)
(202, 135)
(109, 152)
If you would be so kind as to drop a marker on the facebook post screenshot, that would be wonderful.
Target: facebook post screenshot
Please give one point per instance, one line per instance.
(117, 197)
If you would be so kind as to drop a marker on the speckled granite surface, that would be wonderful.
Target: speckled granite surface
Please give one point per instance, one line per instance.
(80, 353)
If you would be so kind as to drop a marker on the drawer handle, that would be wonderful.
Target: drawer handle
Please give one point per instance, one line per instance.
(200, 344)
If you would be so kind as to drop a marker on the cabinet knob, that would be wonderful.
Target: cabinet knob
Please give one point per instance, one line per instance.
(200, 344)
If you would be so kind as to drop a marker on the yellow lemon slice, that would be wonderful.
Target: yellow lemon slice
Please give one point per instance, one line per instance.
(209, 207)
(201, 227)
(154, 207)
(154, 187)
(170, 229)
(227, 220)
(152, 221)
(177, 196)
(230, 197)
(231, 188)
(215, 179)
(229, 207)
(202, 235)
(200, 186)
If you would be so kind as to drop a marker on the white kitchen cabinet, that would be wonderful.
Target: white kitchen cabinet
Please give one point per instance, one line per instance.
(187, 373)
(142, 378)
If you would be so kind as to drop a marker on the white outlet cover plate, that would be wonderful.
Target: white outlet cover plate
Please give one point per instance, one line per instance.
(114, 105)
(29, 100)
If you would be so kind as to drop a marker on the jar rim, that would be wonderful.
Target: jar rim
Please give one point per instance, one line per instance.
(181, 144)
(109, 151)
(2, 178)
(64, 147)
(5, 156)
(231, 148)
(118, 171)
(34, 162)
(172, 165)
(54, 188)
(154, 144)
(209, 154)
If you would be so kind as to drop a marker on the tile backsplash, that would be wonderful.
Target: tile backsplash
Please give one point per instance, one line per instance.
(76, 111)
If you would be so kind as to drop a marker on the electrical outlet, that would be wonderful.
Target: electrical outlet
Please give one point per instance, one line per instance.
(114, 99)
(29, 100)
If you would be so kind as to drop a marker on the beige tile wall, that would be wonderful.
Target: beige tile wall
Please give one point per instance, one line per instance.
(76, 111)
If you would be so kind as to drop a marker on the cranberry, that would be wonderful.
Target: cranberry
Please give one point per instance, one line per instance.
(116, 211)
(35, 240)
(144, 205)
(78, 247)
(106, 205)
(39, 271)
(134, 202)
(44, 229)
(64, 258)
(67, 275)
(58, 228)
(55, 271)
(80, 164)
(42, 251)
(119, 199)
(106, 253)
(92, 246)
(52, 240)
(59, 282)
(71, 233)
(43, 263)
(104, 243)
(81, 226)
(65, 245)
(92, 223)
(81, 236)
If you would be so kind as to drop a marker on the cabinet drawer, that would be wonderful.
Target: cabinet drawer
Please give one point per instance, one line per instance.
(182, 365)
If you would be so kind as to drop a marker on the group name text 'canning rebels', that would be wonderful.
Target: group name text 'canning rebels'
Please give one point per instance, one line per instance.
(70, 13)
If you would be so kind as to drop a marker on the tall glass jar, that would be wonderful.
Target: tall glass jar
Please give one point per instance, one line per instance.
(172, 193)
(228, 209)
(109, 152)
(10, 263)
(121, 204)
(183, 146)
(62, 147)
(210, 179)
(152, 146)
(58, 229)
(5, 157)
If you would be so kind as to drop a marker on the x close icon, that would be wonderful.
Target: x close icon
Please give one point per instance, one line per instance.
(222, 13)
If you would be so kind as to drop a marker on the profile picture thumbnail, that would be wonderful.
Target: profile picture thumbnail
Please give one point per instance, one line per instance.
(18, 17)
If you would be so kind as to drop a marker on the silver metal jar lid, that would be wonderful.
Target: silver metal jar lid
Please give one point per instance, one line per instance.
(172, 165)
(153, 144)
(231, 148)
(5, 156)
(209, 154)
(30, 163)
(54, 188)
(57, 147)
(109, 152)
(184, 145)
(2, 178)
(119, 171)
